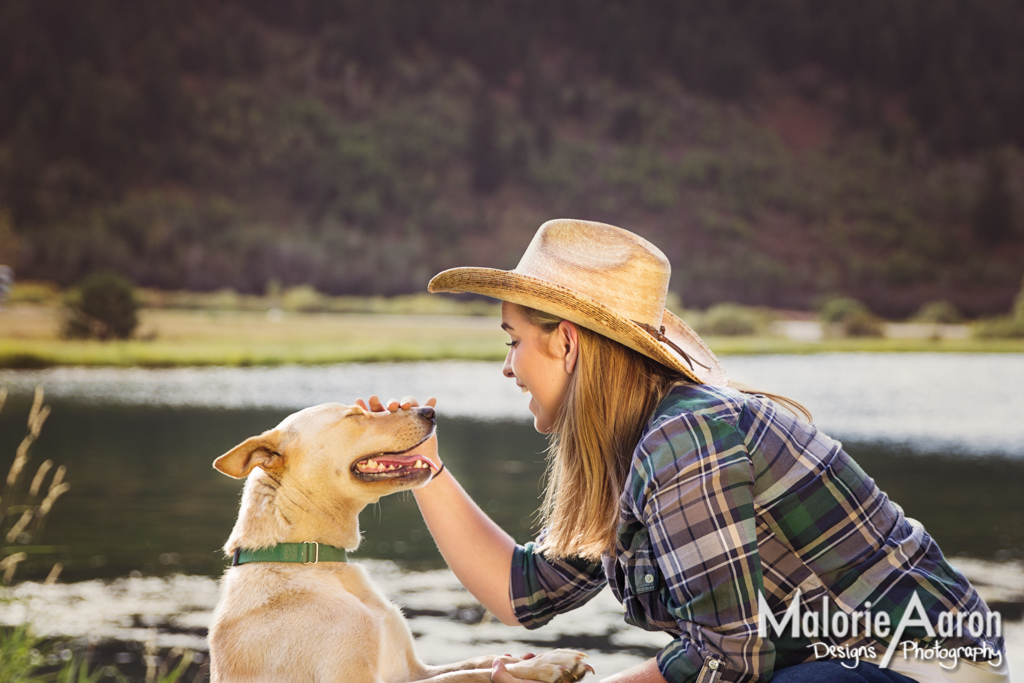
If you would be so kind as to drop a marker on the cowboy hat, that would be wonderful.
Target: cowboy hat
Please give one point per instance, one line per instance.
(603, 278)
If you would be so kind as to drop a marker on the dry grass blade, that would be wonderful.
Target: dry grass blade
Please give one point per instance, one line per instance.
(55, 571)
(19, 461)
(9, 564)
(37, 481)
(12, 559)
(58, 477)
(149, 656)
(37, 425)
(19, 526)
(37, 405)
(51, 498)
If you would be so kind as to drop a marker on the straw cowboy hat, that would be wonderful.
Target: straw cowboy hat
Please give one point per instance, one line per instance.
(600, 277)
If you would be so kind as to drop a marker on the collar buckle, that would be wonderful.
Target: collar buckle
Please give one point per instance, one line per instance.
(316, 552)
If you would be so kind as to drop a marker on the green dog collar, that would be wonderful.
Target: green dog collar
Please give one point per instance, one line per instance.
(307, 552)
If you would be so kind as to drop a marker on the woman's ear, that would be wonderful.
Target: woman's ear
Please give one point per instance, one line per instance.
(569, 340)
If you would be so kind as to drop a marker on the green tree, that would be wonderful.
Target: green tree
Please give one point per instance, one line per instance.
(104, 307)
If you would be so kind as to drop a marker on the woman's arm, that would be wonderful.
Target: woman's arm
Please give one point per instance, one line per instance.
(476, 549)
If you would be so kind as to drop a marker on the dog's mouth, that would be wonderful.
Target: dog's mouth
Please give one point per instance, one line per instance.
(389, 466)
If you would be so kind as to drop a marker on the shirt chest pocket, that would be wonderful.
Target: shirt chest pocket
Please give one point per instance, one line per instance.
(644, 601)
(641, 568)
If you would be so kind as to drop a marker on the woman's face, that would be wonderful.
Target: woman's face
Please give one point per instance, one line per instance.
(536, 361)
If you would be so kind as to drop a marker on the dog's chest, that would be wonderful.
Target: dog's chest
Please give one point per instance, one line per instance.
(396, 654)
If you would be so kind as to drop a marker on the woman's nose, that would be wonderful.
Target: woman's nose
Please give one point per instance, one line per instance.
(506, 369)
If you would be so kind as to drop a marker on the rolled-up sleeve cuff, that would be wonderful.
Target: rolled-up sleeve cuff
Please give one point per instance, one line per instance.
(541, 588)
(679, 663)
(529, 603)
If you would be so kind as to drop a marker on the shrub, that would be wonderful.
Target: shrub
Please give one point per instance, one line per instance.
(837, 309)
(1004, 327)
(1018, 306)
(19, 655)
(104, 307)
(730, 320)
(941, 312)
(850, 318)
(225, 299)
(862, 323)
(303, 298)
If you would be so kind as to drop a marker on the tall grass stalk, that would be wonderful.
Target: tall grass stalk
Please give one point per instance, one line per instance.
(24, 506)
(26, 501)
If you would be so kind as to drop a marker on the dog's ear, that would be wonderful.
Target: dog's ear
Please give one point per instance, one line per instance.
(259, 451)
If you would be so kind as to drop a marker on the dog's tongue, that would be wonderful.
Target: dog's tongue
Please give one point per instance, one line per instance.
(388, 462)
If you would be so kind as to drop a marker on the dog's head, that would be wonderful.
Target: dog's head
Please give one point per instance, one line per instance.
(334, 450)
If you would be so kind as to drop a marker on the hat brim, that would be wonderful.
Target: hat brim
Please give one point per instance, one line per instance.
(507, 285)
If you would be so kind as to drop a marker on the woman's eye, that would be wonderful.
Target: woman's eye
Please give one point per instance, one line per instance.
(511, 343)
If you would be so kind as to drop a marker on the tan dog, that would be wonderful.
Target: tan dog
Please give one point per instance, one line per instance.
(308, 478)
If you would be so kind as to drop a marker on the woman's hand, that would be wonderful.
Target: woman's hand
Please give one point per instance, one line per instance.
(427, 448)
(374, 404)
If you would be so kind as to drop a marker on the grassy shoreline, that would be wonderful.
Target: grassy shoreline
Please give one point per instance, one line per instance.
(178, 338)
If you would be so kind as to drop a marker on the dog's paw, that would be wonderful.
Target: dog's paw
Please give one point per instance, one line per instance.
(555, 666)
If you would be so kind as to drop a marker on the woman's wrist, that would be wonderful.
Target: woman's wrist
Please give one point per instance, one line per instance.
(429, 488)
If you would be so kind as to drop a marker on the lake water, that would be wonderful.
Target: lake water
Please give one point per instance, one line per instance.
(943, 434)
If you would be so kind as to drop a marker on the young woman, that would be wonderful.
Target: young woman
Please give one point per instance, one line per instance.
(705, 507)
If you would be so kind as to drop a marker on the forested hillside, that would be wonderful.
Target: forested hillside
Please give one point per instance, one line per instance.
(778, 152)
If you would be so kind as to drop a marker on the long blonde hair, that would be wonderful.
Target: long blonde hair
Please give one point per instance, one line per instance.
(612, 393)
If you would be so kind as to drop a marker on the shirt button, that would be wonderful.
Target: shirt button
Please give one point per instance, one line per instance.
(649, 578)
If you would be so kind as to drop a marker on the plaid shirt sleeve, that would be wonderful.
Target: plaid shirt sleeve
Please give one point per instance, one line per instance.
(542, 587)
(692, 486)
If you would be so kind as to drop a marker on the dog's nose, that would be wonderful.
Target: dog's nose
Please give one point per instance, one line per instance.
(427, 412)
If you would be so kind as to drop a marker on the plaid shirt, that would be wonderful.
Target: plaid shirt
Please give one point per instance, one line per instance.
(728, 498)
